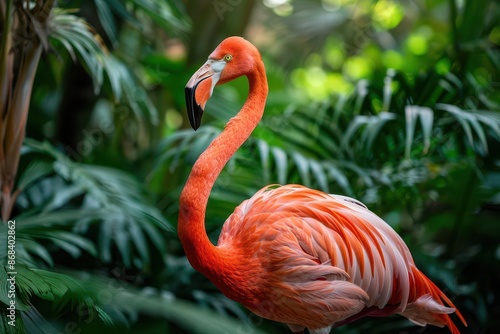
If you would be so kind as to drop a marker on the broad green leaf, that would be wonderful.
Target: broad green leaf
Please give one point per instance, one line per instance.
(426, 116)
(121, 237)
(490, 119)
(140, 241)
(303, 168)
(340, 178)
(162, 14)
(281, 163)
(361, 94)
(479, 132)
(35, 323)
(35, 248)
(319, 175)
(104, 240)
(264, 159)
(470, 30)
(387, 90)
(74, 33)
(107, 20)
(465, 121)
(182, 313)
(126, 89)
(363, 174)
(411, 115)
(74, 240)
(374, 127)
(356, 124)
(34, 171)
(30, 283)
(58, 218)
(4, 286)
(62, 197)
(108, 321)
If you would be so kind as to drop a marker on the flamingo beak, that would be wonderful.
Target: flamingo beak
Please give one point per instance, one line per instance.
(199, 89)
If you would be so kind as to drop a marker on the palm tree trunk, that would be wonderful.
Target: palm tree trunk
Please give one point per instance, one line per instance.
(18, 63)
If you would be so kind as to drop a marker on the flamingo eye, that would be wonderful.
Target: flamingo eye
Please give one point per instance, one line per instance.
(228, 58)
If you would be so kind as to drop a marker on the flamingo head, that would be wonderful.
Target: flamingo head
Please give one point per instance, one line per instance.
(232, 58)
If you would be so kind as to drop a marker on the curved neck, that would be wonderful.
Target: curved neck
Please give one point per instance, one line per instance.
(201, 253)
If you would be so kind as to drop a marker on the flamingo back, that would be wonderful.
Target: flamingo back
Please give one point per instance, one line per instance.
(325, 260)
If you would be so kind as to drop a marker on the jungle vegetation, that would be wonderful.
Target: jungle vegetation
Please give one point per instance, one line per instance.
(395, 103)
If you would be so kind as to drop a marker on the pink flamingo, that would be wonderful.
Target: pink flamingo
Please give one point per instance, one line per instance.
(289, 253)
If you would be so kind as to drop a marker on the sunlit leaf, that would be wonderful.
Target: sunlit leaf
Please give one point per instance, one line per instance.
(319, 174)
(74, 33)
(387, 90)
(411, 116)
(303, 168)
(264, 158)
(162, 14)
(107, 20)
(374, 127)
(426, 116)
(339, 177)
(281, 161)
(468, 122)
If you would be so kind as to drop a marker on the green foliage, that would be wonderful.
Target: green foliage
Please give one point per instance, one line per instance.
(77, 37)
(81, 196)
(394, 103)
(110, 301)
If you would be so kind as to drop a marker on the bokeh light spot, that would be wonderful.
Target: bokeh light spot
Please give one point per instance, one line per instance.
(388, 14)
(173, 119)
(334, 57)
(417, 44)
(443, 66)
(337, 84)
(495, 35)
(280, 7)
(357, 68)
(392, 59)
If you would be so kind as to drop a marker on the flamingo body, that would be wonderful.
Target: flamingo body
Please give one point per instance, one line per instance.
(323, 259)
(290, 253)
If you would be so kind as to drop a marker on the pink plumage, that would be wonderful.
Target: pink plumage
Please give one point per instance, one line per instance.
(289, 253)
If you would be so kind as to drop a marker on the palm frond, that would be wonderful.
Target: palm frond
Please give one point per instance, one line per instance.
(126, 89)
(412, 113)
(472, 124)
(64, 290)
(181, 144)
(79, 40)
(182, 313)
(83, 44)
(76, 291)
(34, 171)
(164, 14)
(80, 198)
(108, 22)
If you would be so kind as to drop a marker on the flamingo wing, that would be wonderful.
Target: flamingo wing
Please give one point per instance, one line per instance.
(325, 259)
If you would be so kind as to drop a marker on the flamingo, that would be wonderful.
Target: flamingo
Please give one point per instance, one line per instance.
(293, 254)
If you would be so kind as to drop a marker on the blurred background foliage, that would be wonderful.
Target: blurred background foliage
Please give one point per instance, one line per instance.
(395, 103)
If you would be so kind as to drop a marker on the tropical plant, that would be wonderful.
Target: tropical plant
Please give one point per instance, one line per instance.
(394, 103)
(62, 208)
(417, 143)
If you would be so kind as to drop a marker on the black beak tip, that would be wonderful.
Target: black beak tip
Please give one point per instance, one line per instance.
(194, 110)
(195, 118)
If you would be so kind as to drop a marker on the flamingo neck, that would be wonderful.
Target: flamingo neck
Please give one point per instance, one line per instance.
(201, 253)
